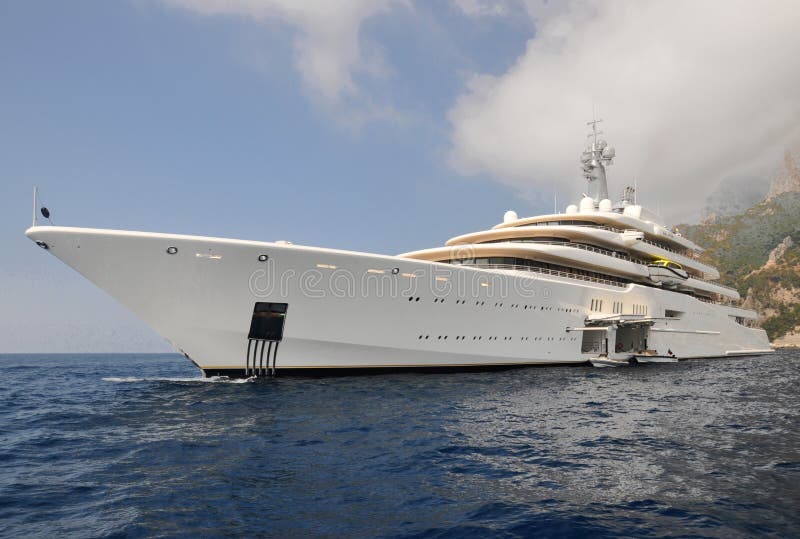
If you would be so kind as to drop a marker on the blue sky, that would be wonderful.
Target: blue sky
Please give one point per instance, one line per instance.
(383, 126)
(133, 115)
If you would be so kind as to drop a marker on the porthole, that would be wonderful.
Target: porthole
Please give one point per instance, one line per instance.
(416, 299)
(395, 271)
(172, 250)
(262, 258)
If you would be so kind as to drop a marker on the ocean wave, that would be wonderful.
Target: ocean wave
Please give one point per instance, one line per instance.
(210, 380)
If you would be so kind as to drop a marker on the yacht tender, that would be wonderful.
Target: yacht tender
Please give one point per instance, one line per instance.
(600, 280)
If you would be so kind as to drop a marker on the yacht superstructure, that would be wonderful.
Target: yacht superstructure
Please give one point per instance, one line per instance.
(600, 280)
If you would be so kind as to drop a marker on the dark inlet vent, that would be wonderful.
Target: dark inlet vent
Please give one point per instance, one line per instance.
(267, 322)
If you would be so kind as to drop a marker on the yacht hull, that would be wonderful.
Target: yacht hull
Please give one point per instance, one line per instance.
(349, 310)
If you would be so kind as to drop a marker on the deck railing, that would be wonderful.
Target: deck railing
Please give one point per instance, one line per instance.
(715, 283)
(592, 248)
(570, 275)
(684, 252)
(548, 271)
(620, 256)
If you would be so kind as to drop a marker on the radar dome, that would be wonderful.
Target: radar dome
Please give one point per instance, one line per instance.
(587, 204)
(510, 216)
(605, 205)
(572, 208)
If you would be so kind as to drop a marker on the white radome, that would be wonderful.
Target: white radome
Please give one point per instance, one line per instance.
(510, 216)
(587, 205)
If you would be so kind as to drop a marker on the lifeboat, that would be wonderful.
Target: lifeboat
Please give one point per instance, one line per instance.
(667, 273)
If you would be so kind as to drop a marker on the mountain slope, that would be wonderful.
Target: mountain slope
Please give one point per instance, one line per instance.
(758, 252)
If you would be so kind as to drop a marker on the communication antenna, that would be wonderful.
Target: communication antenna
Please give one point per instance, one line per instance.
(555, 198)
(597, 156)
(595, 132)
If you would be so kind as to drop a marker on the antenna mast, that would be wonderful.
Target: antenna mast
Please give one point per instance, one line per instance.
(555, 199)
(597, 156)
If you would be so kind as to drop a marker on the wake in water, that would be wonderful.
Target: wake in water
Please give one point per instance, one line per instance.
(211, 380)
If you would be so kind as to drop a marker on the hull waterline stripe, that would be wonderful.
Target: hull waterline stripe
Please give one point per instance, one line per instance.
(410, 365)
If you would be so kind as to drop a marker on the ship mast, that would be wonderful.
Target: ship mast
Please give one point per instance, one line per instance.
(597, 156)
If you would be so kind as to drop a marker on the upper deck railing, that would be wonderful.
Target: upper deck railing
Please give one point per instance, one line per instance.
(548, 271)
(586, 247)
(594, 249)
(616, 254)
(715, 283)
(683, 252)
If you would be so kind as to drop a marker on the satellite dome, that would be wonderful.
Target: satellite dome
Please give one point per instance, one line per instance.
(587, 204)
(510, 216)
(605, 205)
(572, 208)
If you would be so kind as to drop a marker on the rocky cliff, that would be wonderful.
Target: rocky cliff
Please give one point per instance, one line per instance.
(788, 179)
(758, 252)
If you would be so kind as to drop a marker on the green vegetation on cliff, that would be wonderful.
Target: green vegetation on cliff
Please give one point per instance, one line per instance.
(741, 245)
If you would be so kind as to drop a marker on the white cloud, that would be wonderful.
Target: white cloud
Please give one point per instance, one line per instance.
(483, 8)
(329, 50)
(691, 92)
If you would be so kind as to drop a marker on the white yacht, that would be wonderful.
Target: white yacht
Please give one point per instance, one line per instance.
(602, 280)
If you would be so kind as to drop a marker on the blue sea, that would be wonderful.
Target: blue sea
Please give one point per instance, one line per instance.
(141, 446)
